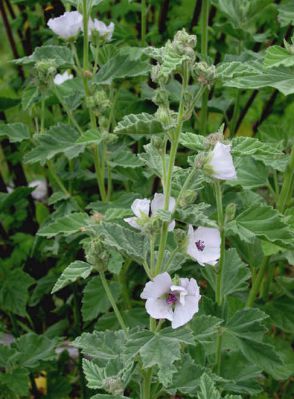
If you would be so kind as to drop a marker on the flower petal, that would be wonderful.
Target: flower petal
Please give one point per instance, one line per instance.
(158, 203)
(159, 309)
(141, 206)
(133, 222)
(191, 247)
(67, 25)
(158, 287)
(172, 226)
(221, 162)
(212, 241)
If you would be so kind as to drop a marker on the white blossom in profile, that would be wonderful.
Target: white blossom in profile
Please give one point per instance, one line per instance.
(60, 78)
(175, 302)
(40, 189)
(144, 208)
(204, 245)
(104, 31)
(67, 26)
(220, 163)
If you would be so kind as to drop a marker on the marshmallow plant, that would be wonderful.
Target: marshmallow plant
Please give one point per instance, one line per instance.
(164, 305)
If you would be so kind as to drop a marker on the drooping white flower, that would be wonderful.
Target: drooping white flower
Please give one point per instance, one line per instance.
(143, 208)
(40, 189)
(62, 77)
(204, 245)
(221, 163)
(176, 303)
(104, 31)
(68, 25)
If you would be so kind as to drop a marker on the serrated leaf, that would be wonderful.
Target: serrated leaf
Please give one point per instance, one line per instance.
(14, 290)
(126, 241)
(250, 173)
(276, 56)
(248, 146)
(248, 323)
(195, 215)
(59, 139)
(91, 136)
(235, 274)
(33, 349)
(205, 327)
(95, 300)
(121, 66)
(94, 374)
(15, 132)
(286, 13)
(193, 141)
(61, 55)
(263, 222)
(207, 388)
(74, 271)
(66, 225)
(152, 159)
(103, 345)
(16, 381)
(143, 124)
(125, 159)
(161, 349)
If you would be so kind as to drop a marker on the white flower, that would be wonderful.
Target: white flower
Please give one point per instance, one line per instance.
(176, 303)
(204, 245)
(101, 28)
(221, 162)
(62, 77)
(141, 210)
(40, 189)
(68, 25)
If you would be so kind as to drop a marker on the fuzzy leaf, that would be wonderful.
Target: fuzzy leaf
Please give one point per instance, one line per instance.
(247, 146)
(143, 124)
(95, 300)
(91, 136)
(16, 132)
(59, 139)
(276, 56)
(66, 225)
(94, 374)
(74, 271)
(263, 222)
(207, 388)
(131, 243)
(205, 327)
(16, 381)
(61, 55)
(286, 13)
(193, 141)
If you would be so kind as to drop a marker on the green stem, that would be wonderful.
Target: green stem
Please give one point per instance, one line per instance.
(152, 255)
(257, 283)
(168, 182)
(42, 125)
(123, 282)
(234, 120)
(86, 36)
(204, 51)
(57, 179)
(186, 185)
(267, 282)
(112, 301)
(99, 175)
(143, 21)
(218, 352)
(68, 112)
(220, 218)
(172, 255)
(287, 187)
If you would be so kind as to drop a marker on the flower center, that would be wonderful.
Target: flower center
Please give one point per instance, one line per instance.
(171, 299)
(200, 245)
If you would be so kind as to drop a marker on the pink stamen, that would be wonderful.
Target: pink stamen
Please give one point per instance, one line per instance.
(171, 299)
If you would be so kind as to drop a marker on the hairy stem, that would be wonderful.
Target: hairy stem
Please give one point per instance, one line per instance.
(220, 219)
(287, 187)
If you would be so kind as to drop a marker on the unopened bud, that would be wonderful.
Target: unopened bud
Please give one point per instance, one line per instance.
(230, 212)
(205, 74)
(87, 74)
(180, 238)
(187, 198)
(97, 217)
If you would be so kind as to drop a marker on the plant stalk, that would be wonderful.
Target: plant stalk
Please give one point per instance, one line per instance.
(220, 219)
(112, 301)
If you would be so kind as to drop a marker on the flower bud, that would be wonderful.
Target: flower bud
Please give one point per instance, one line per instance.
(204, 74)
(187, 198)
(114, 385)
(180, 238)
(45, 71)
(157, 142)
(87, 74)
(96, 254)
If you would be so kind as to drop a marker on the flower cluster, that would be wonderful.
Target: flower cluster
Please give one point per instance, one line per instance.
(70, 24)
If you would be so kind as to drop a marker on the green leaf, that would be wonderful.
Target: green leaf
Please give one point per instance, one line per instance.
(16, 381)
(276, 56)
(104, 345)
(193, 141)
(74, 271)
(95, 300)
(257, 77)
(16, 132)
(61, 55)
(207, 388)
(248, 324)
(91, 136)
(126, 241)
(286, 13)
(263, 222)
(94, 374)
(7, 102)
(124, 158)
(250, 174)
(281, 311)
(235, 274)
(161, 349)
(59, 139)
(205, 327)
(14, 290)
(33, 349)
(105, 396)
(248, 146)
(122, 66)
(195, 215)
(152, 159)
(143, 124)
(66, 225)
(29, 97)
